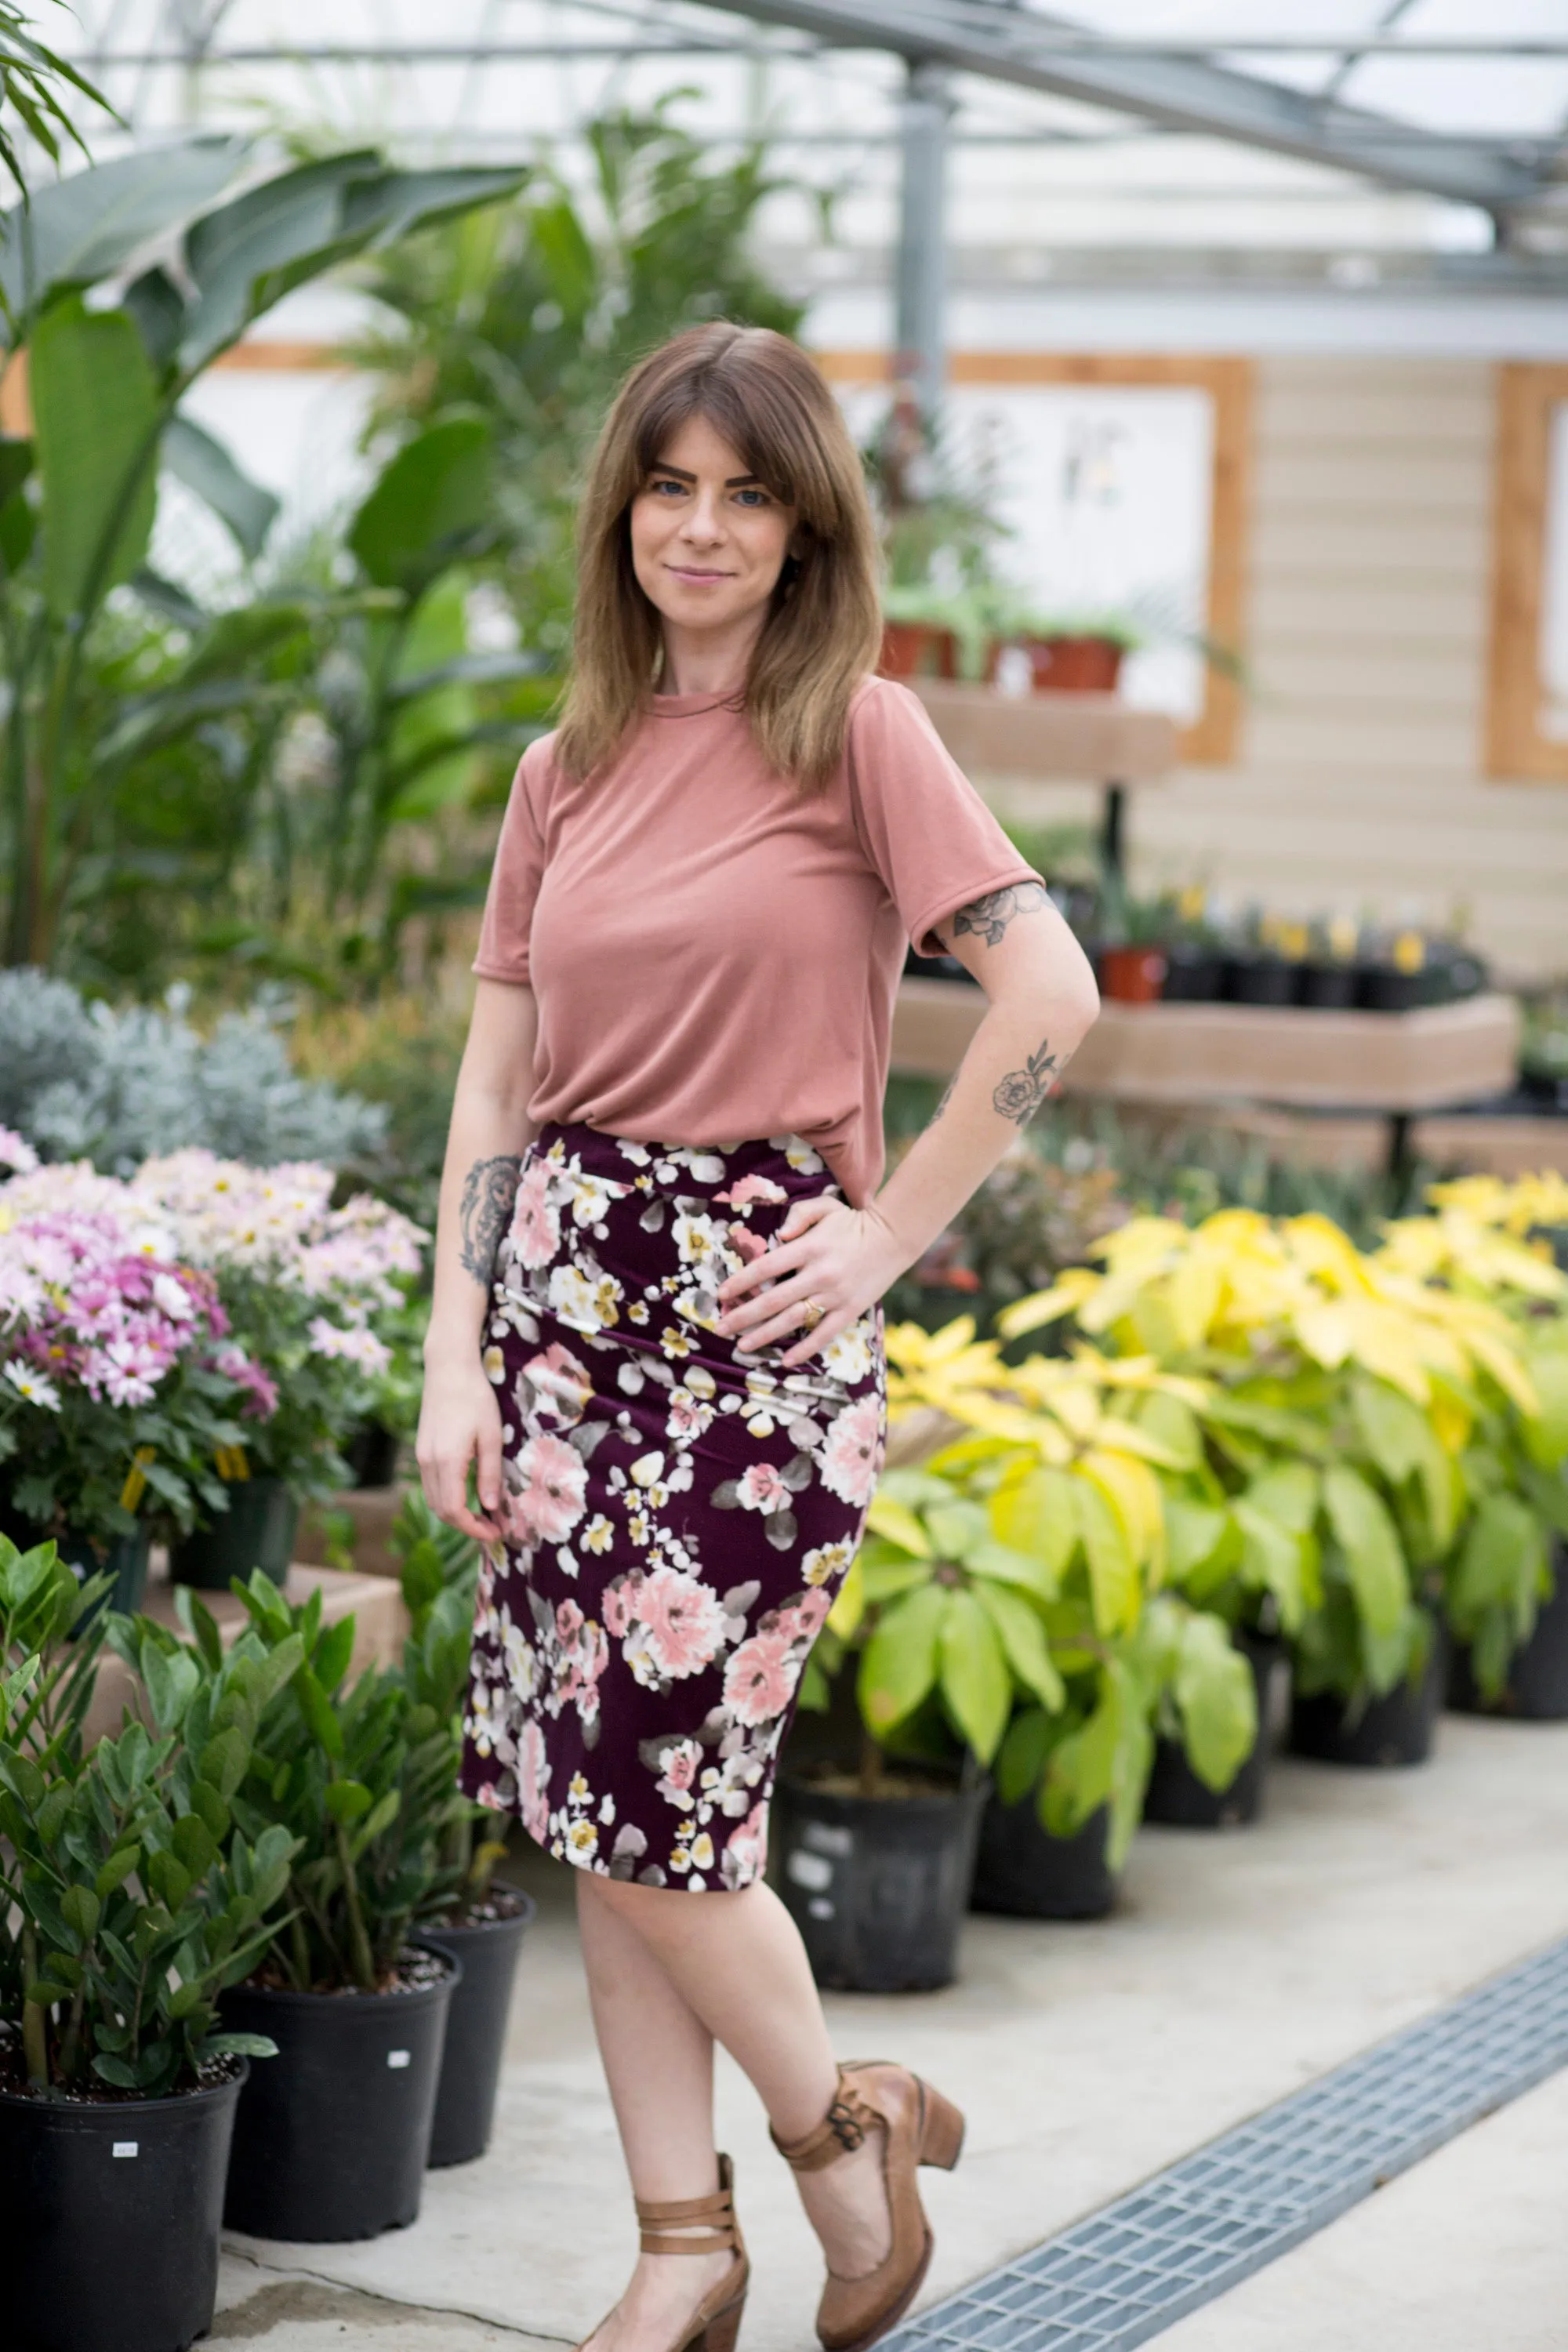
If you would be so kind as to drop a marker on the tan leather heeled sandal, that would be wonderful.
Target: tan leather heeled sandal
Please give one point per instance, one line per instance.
(702, 2225)
(920, 2127)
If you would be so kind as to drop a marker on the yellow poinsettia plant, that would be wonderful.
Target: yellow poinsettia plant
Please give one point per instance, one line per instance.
(1010, 1587)
(1358, 1443)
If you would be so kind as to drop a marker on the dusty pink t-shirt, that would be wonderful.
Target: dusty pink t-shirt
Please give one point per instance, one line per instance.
(714, 953)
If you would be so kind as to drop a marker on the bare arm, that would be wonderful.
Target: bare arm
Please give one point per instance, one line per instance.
(1042, 1004)
(459, 1420)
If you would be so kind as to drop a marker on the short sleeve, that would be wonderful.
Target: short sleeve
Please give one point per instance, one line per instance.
(514, 878)
(922, 823)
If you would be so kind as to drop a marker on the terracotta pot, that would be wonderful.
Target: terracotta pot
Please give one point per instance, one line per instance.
(1069, 665)
(1132, 975)
(918, 649)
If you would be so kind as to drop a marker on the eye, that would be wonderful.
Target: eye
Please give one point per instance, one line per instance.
(753, 497)
(662, 483)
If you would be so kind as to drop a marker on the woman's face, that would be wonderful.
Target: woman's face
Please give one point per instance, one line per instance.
(709, 540)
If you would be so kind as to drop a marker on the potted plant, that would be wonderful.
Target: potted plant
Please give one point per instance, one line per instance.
(120, 1380)
(920, 633)
(1194, 958)
(1264, 964)
(304, 1286)
(1489, 1244)
(481, 1924)
(1058, 652)
(1132, 960)
(331, 2141)
(938, 1622)
(129, 1898)
(1362, 1377)
(1331, 977)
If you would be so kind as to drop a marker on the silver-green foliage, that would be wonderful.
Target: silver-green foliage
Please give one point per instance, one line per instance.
(117, 1084)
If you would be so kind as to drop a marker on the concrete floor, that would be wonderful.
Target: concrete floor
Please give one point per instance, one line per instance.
(1088, 2055)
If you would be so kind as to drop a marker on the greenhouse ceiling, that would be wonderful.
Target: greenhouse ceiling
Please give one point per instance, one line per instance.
(1344, 141)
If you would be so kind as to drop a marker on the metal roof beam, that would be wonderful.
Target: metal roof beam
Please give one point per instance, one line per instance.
(1012, 44)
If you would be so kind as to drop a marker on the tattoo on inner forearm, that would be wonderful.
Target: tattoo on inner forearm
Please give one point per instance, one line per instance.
(987, 919)
(1018, 1095)
(488, 1189)
(946, 1098)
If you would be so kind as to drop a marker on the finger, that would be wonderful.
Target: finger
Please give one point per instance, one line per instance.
(814, 1342)
(751, 1312)
(487, 1465)
(802, 1215)
(772, 1266)
(787, 1324)
(480, 1529)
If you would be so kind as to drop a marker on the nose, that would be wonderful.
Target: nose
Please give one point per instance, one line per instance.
(704, 523)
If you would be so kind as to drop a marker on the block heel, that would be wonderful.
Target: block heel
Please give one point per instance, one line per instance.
(701, 2225)
(941, 2130)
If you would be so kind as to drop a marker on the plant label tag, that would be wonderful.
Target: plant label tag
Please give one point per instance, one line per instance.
(127, 2147)
(810, 1870)
(396, 2058)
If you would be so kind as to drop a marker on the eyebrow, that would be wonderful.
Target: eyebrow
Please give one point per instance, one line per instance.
(735, 481)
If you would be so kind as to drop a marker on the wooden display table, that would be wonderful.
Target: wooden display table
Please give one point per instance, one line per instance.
(1055, 738)
(1395, 1063)
(376, 1604)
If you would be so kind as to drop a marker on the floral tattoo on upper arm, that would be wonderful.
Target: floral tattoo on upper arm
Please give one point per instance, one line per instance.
(484, 1212)
(987, 919)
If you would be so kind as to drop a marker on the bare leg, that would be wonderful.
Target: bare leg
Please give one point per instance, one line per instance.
(658, 2062)
(735, 1964)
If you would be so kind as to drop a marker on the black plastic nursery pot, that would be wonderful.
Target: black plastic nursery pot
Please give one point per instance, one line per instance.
(1260, 980)
(1536, 1690)
(125, 1561)
(878, 1885)
(1025, 1873)
(1329, 987)
(1177, 1797)
(372, 1454)
(109, 2214)
(334, 2135)
(1392, 1731)
(256, 1531)
(1383, 988)
(1193, 976)
(487, 1951)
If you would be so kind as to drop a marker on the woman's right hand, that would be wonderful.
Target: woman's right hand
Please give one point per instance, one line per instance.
(460, 1424)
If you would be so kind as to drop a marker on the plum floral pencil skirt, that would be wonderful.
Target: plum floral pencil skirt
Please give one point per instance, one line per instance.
(677, 1515)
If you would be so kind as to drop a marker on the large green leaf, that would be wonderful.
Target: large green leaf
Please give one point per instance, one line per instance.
(1501, 1564)
(85, 229)
(1370, 1542)
(898, 1664)
(95, 413)
(206, 466)
(1082, 1769)
(1216, 1699)
(975, 1684)
(1024, 1641)
(1034, 1513)
(1112, 1572)
(433, 499)
(248, 254)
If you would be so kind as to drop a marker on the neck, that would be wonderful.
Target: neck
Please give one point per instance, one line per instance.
(708, 661)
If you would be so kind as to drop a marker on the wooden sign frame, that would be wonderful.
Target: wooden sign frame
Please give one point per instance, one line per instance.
(1212, 740)
(1516, 748)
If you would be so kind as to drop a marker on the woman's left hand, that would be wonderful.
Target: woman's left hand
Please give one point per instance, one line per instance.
(839, 1258)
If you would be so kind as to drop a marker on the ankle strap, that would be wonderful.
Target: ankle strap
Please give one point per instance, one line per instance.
(842, 2128)
(692, 2225)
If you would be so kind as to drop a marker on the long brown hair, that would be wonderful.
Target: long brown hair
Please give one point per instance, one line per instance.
(765, 397)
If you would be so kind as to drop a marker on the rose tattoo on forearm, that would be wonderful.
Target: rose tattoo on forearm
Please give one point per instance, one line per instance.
(1018, 1095)
(489, 1188)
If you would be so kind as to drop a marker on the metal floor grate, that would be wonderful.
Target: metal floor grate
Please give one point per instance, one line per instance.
(1124, 2274)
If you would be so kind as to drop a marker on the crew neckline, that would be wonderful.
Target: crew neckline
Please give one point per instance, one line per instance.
(688, 706)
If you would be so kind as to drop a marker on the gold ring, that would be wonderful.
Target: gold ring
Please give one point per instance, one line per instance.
(811, 1312)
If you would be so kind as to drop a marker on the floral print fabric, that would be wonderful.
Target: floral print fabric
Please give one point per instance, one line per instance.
(677, 1515)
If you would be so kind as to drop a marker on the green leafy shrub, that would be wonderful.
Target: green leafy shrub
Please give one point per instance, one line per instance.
(439, 1568)
(130, 1897)
(360, 1775)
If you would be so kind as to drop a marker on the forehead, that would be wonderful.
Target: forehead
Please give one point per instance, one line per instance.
(697, 446)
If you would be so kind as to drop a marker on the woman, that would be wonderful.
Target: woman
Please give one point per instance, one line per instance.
(655, 1342)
